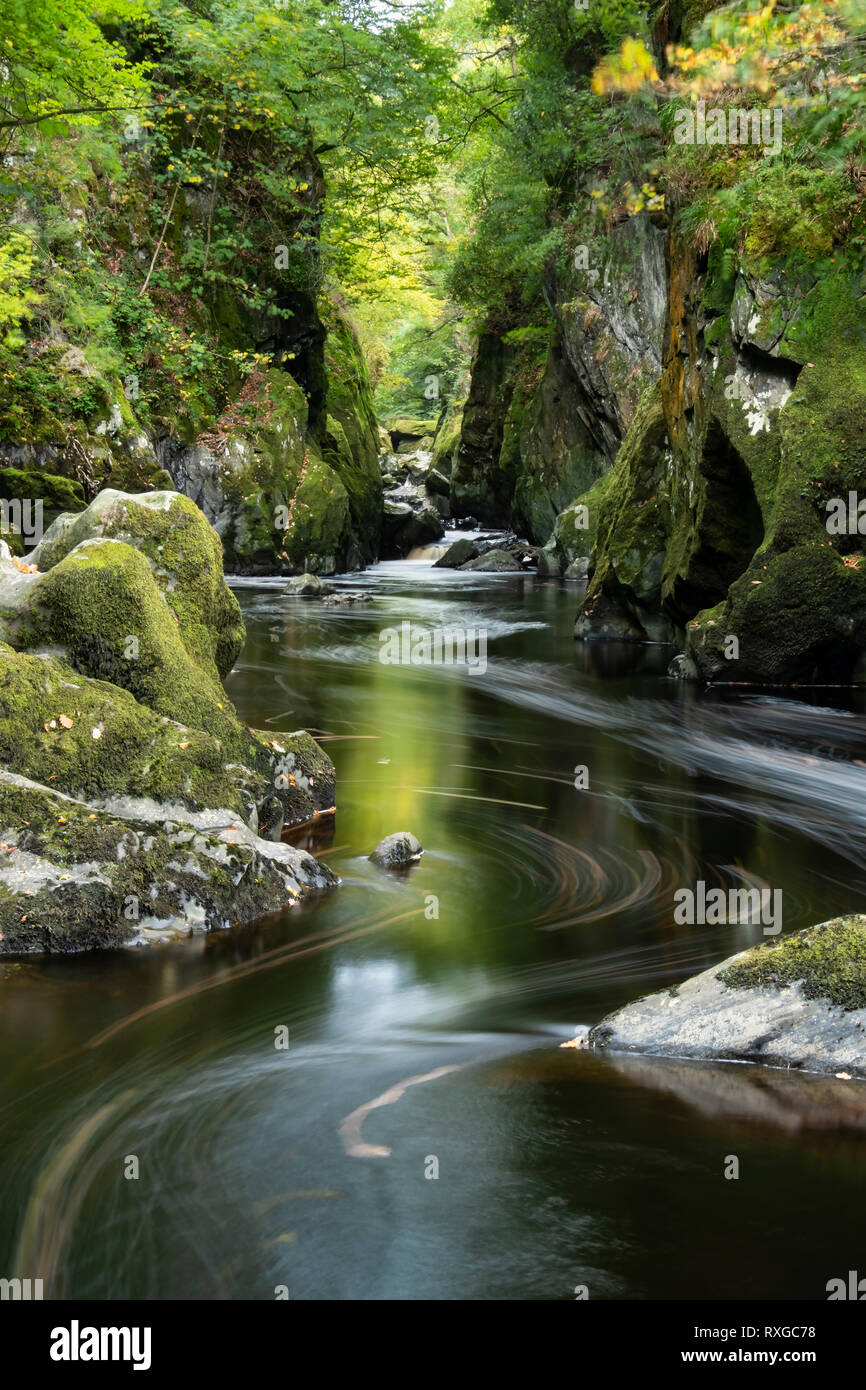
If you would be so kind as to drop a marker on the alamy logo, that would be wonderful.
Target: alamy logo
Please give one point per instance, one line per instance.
(728, 127)
(21, 517)
(441, 646)
(854, 1290)
(698, 907)
(76, 1343)
(20, 1289)
(846, 518)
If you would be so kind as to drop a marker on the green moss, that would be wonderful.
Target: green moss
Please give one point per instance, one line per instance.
(624, 593)
(185, 557)
(350, 404)
(57, 493)
(102, 605)
(137, 752)
(828, 961)
(572, 539)
(446, 441)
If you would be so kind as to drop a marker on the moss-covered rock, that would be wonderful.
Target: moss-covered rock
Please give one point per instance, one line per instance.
(283, 498)
(90, 738)
(446, 441)
(623, 600)
(798, 1002)
(55, 492)
(74, 876)
(828, 962)
(185, 558)
(724, 510)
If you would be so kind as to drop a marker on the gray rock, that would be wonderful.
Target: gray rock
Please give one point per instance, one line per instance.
(307, 586)
(549, 563)
(397, 851)
(347, 598)
(460, 553)
(683, 668)
(768, 1004)
(495, 562)
(578, 569)
(438, 483)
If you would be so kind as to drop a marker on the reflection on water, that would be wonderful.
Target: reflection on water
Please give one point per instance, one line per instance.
(424, 1012)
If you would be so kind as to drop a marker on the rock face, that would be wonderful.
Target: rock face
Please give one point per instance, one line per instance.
(397, 851)
(798, 1002)
(125, 773)
(715, 524)
(414, 503)
(543, 423)
(286, 490)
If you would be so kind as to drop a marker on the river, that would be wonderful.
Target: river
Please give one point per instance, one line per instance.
(495, 1164)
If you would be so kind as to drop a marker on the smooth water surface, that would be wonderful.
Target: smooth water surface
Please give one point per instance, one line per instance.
(444, 994)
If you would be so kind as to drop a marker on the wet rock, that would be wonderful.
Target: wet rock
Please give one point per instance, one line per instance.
(347, 598)
(457, 555)
(549, 564)
(438, 483)
(797, 1002)
(76, 875)
(115, 730)
(495, 562)
(578, 569)
(683, 668)
(307, 586)
(397, 851)
(410, 520)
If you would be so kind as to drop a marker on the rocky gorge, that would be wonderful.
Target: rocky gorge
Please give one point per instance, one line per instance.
(432, 605)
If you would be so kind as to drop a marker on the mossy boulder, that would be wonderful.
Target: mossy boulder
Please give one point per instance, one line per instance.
(106, 800)
(55, 492)
(119, 622)
(797, 1002)
(184, 555)
(91, 738)
(74, 878)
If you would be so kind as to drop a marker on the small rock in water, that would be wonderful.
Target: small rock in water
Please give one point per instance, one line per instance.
(347, 597)
(397, 850)
(307, 586)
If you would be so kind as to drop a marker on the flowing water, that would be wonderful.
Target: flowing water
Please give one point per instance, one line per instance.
(425, 1011)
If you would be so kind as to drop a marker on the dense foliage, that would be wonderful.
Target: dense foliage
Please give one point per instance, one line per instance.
(182, 180)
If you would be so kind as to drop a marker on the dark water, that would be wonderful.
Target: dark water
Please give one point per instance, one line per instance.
(260, 1167)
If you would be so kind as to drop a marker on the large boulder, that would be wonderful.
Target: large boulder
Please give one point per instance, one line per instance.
(797, 1002)
(457, 554)
(183, 554)
(494, 562)
(75, 875)
(111, 701)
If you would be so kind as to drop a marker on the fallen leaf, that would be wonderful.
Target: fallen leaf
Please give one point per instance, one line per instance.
(66, 721)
